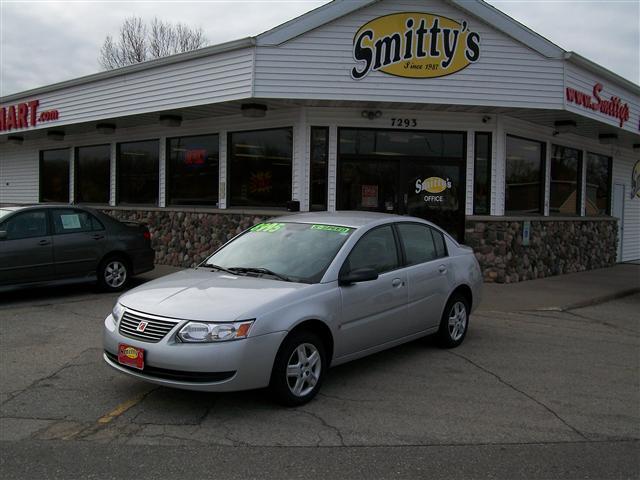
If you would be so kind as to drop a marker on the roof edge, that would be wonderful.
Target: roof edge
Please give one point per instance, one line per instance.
(308, 21)
(137, 67)
(590, 65)
(508, 25)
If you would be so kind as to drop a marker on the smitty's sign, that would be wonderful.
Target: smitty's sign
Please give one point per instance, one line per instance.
(612, 107)
(24, 115)
(414, 45)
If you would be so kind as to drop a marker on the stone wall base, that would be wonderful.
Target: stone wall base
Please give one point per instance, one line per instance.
(555, 247)
(184, 239)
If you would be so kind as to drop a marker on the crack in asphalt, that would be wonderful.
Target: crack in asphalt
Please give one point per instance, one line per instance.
(325, 424)
(522, 392)
(602, 322)
(51, 376)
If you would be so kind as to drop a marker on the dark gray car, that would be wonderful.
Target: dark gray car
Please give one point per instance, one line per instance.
(58, 243)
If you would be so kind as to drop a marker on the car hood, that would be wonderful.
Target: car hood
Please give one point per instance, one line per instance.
(203, 294)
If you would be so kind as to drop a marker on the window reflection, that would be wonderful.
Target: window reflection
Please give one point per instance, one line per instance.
(192, 170)
(138, 172)
(54, 175)
(565, 171)
(598, 201)
(524, 173)
(260, 167)
(92, 173)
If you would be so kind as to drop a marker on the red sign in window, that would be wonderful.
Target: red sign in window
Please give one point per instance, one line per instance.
(195, 157)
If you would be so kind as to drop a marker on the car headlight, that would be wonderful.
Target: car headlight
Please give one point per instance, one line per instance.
(201, 332)
(117, 312)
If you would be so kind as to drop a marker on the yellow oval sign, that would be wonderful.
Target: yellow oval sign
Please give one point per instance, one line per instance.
(432, 185)
(131, 352)
(414, 45)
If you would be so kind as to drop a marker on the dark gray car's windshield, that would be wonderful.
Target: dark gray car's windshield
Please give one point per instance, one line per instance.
(296, 251)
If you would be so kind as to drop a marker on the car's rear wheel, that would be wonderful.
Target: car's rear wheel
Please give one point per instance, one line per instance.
(113, 273)
(454, 323)
(298, 369)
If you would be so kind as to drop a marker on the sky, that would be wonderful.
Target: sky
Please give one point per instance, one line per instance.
(43, 42)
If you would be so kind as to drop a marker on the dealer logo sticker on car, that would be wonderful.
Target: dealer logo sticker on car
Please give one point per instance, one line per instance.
(141, 326)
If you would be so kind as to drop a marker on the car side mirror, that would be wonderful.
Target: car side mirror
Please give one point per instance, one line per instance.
(3, 234)
(359, 275)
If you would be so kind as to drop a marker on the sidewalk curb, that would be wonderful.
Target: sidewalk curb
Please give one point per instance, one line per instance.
(591, 302)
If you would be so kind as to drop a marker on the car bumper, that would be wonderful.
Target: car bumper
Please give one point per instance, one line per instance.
(143, 260)
(214, 367)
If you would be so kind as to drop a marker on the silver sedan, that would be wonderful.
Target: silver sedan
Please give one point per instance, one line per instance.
(284, 300)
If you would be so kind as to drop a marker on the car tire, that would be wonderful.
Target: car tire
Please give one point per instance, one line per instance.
(114, 273)
(454, 323)
(293, 387)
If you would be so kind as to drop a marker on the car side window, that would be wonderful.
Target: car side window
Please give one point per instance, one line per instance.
(441, 247)
(26, 225)
(71, 221)
(376, 249)
(418, 243)
(96, 224)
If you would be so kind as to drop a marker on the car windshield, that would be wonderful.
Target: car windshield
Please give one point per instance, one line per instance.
(297, 252)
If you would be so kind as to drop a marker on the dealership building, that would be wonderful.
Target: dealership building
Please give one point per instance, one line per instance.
(447, 110)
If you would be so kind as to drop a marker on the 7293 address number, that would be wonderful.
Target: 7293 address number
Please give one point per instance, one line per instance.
(404, 122)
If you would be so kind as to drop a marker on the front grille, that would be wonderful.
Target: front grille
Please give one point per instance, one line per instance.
(155, 330)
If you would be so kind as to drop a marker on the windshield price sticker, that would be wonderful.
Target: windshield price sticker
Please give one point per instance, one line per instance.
(331, 228)
(267, 227)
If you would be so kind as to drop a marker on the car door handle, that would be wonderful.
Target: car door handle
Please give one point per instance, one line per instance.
(97, 236)
(442, 269)
(44, 242)
(396, 282)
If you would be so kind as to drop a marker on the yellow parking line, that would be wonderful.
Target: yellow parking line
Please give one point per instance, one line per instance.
(123, 407)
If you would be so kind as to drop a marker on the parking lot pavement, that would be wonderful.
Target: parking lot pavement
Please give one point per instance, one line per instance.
(530, 394)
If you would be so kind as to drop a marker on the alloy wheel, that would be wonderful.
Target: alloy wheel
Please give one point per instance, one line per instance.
(303, 369)
(115, 274)
(457, 321)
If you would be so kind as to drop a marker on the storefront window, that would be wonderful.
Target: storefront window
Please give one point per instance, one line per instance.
(482, 174)
(598, 201)
(92, 174)
(192, 170)
(565, 181)
(260, 167)
(319, 168)
(137, 171)
(524, 176)
(54, 175)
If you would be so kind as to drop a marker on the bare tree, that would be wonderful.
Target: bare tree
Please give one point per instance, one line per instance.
(138, 42)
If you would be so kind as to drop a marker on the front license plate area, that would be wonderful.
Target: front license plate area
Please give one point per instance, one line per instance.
(130, 356)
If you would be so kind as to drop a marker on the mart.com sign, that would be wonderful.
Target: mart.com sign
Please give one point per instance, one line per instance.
(414, 45)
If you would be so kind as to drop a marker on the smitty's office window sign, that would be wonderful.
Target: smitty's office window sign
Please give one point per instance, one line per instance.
(414, 45)
(435, 187)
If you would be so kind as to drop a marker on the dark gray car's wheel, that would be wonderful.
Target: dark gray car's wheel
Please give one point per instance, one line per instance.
(298, 369)
(113, 273)
(454, 322)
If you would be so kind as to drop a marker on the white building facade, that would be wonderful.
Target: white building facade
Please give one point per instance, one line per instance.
(447, 110)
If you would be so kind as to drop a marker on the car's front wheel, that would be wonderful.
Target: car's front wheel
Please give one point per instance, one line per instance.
(113, 274)
(298, 369)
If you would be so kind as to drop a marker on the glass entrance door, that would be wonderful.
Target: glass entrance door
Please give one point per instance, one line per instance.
(405, 172)
(435, 192)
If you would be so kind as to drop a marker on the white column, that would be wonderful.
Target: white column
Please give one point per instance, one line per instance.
(72, 175)
(583, 185)
(333, 168)
(471, 149)
(547, 179)
(222, 170)
(301, 162)
(498, 168)
(112, 184)
(162, 172)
